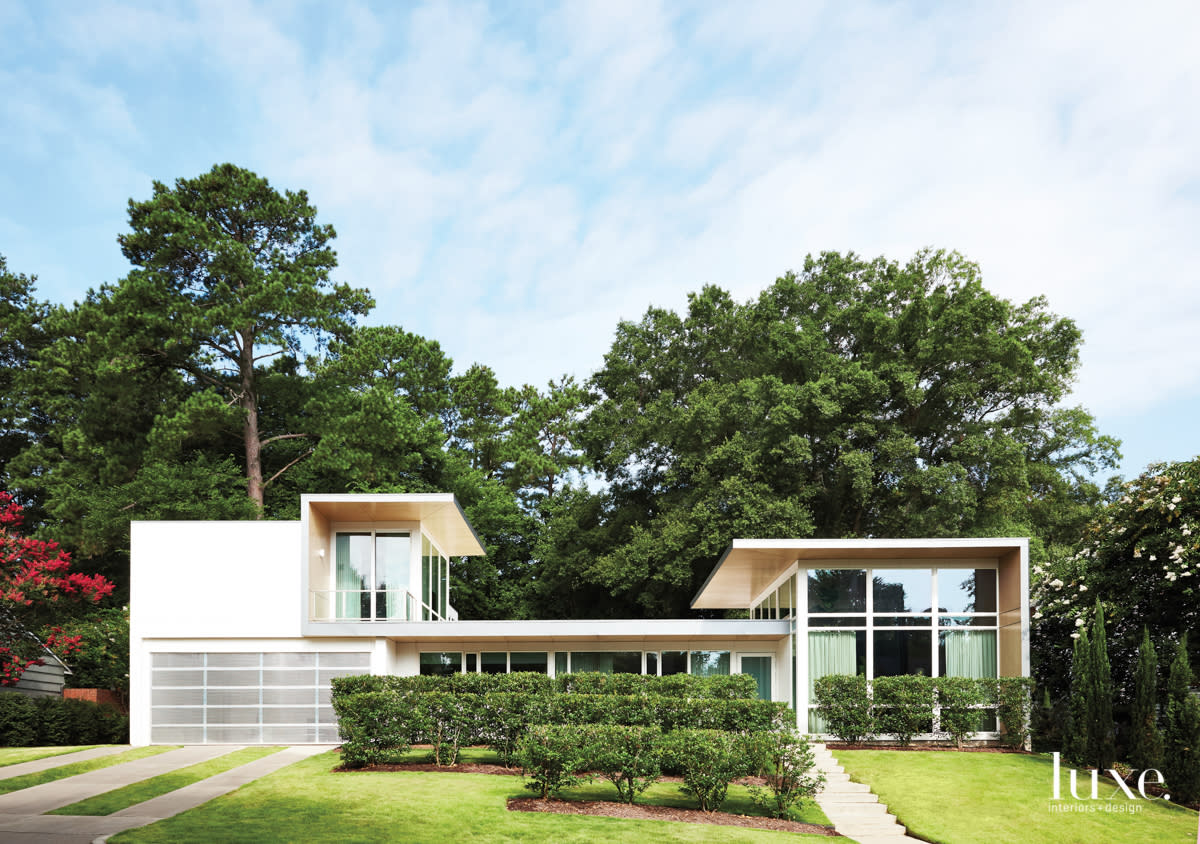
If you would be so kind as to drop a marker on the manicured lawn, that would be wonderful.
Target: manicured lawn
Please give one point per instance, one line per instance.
(15, 755)
(994, 798)
(139, 792)
(308, 802)
(73, 768)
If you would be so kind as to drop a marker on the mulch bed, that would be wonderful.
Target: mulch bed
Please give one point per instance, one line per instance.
(661, 813)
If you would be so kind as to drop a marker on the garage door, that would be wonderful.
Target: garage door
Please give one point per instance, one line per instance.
(246, 698)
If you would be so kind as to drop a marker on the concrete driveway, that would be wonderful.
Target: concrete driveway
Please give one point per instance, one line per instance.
(22, 813)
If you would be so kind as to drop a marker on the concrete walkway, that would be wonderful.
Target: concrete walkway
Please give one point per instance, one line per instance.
(22, 768)
(21, 812)
(854, 809)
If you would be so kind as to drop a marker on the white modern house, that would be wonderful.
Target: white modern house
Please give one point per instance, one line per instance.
(237, 628)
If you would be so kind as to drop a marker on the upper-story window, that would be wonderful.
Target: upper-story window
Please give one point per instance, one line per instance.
(435, 581)
(371, 570)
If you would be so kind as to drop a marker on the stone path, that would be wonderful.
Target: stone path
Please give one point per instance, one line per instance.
(22, 768)
(21, 812)
(854, 809)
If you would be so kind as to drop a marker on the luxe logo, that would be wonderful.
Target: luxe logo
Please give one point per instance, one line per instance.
(1095, 794)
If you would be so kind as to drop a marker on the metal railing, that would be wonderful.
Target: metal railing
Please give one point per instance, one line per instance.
(372, 605)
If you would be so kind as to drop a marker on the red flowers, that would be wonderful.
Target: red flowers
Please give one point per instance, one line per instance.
(34, 577)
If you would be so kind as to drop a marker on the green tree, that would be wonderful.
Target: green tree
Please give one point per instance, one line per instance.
(855, 398)
(1145, 745)
(231, 273)
(1076, 734)
(1141, 553)
(1181, 744)
(1101, 750)
(21, 335)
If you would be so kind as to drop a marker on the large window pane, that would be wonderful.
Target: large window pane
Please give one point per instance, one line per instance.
(967, 590)
(903, 652)
(651, 663)
(837, 590)
(837, 621)
(444, 585)
(560, 662)
(391, 575)
(426, 576)
(902, 590)
(352, 552)
(607, 662)
(967, 653)
(710, 663)
(441, 663)
(493, 663)
(836, 652)
(674, 662)
(528, 661)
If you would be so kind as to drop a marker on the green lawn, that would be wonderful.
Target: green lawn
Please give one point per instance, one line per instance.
(15, 755)
(73, 768)
(309, 802)
(139, 792)
(995, 798)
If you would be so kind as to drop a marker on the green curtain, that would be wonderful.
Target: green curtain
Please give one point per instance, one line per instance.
(759, 667)
(349, 580)
(392, 551)
(829, 652)
(970, 653)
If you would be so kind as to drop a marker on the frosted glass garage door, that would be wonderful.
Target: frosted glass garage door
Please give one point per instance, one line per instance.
(246, 698)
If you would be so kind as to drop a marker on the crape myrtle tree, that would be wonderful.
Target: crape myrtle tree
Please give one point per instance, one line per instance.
(1140, 556)
(231, 273)
(853, 398)
(36, 587)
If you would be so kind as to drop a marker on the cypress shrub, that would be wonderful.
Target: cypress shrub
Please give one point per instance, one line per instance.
(1145, 740)
(1181, 745)
(1075, 740)
(1101, 748)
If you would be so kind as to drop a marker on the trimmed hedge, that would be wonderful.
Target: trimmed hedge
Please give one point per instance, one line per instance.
(53, 721)
(905, 705)
(731, 687)
(375, 725)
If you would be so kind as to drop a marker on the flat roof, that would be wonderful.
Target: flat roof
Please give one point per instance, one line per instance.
(749, 566)
(603, 634)
(439, 512)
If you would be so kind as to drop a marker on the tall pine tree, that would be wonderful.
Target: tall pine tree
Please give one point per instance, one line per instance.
(1101, 748)
(1075, 740)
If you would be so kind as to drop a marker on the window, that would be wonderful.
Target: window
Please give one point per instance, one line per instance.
(435, 581)
(371, 575)
(441, 663)
(607, 662)
(710, 663)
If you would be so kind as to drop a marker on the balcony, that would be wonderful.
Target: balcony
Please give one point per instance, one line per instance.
(343, 605)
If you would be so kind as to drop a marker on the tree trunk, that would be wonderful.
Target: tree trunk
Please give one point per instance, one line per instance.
(249, 403)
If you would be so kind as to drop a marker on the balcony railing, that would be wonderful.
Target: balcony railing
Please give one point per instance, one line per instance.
(372, 605)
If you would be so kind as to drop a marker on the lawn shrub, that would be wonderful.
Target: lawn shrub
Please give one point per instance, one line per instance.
(709, 760)
(630, 757)
(843, 701)
(957, 697)
(1181, 738)
(786, 760)
(732, 687)
(903, 706)
(450, 720)
(553, 757)
(1013, 709)
(377, 725)
(18, 720)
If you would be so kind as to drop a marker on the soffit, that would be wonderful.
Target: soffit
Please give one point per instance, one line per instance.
(439, 514)
(749, 566)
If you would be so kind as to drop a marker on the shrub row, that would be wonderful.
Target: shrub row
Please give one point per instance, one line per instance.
(731, 687)
(632, 758)
(49, 721)
(907, 705)
(377, 724)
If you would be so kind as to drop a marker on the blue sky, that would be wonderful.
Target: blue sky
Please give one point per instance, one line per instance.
(511, 179)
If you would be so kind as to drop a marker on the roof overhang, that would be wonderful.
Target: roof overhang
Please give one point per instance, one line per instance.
(603, 634)
(749, 566)
(438, 512)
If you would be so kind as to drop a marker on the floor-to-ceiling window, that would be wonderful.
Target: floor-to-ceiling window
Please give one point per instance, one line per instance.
(878, 622)
(371, 575)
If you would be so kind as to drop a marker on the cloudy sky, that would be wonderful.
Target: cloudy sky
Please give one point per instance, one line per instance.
(511, 179)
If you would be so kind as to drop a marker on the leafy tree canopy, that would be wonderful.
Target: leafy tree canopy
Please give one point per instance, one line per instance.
(855, 398)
